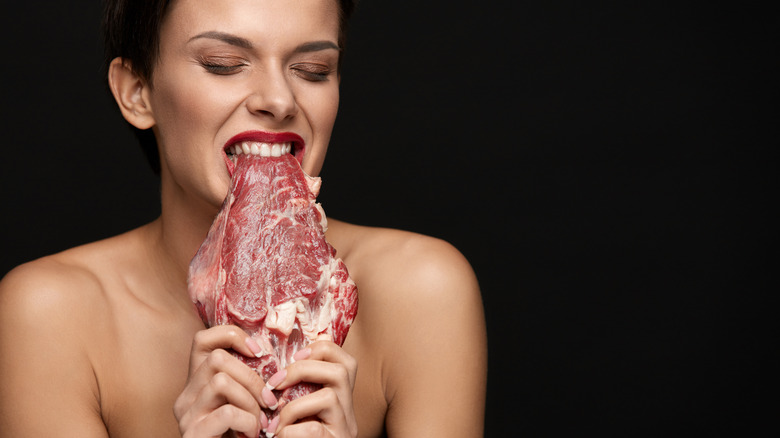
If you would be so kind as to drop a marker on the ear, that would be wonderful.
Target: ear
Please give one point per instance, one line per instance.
(131, 93)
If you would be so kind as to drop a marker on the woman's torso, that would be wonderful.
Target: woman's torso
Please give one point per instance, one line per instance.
(139, 347)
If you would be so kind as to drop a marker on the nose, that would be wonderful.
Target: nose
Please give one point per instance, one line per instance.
(272, 96)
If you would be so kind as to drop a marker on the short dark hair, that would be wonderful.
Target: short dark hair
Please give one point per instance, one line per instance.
(131, 30)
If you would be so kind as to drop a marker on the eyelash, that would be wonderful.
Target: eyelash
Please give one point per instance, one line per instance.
(309, 72)
(222, 69)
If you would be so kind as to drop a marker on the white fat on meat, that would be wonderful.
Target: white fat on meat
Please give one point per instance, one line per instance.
(312, 322)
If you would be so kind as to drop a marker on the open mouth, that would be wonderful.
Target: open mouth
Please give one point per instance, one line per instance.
(251, 144)
(260, 149)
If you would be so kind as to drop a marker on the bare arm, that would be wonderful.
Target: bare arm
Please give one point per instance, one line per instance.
(435, 342)
(48, 386)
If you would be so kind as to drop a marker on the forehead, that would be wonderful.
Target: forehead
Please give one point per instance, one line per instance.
(261, 21)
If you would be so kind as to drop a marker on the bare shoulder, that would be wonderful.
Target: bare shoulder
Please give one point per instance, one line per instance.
(48, 297)
(411, 260)
(65, 296)
(61, 287)
(48, 311)
(74, 281)
(55, 297)
(421, 314)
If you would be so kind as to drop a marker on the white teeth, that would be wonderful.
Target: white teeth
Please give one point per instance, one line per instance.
(261, 149)
(265, 150)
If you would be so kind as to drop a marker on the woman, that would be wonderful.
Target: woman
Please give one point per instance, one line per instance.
(102, 340)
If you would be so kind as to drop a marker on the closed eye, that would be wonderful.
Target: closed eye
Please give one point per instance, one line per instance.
(312, 72)
(222, 69)
(222, 66)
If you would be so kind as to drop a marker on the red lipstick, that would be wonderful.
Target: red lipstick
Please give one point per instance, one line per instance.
(298, 145)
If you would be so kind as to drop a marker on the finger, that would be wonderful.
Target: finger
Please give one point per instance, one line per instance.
(220, 361)
(305, 429)
(222, 389)
(225, 418)
(322, 404)
(326, 364)
(330, 374)
(223, 337)
(329, 352)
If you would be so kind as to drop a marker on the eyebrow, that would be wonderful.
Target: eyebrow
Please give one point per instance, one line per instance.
(224, 37)
(233, 40)
(316, 46)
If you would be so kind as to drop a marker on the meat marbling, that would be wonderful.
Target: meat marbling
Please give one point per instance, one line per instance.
(265, 266)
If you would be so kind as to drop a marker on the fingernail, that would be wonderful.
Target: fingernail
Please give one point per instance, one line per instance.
(254, 346)
(302, 354)
(263, 421)
(272, 427)
(276, 379)
(269, 399)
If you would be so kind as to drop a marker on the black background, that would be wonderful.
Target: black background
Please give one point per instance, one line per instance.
(605, 167)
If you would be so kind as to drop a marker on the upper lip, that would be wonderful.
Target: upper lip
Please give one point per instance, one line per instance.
(268, 137)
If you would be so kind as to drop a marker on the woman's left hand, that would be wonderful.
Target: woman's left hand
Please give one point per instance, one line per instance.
(327, 412)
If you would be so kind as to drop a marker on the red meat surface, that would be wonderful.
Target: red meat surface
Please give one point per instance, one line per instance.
(265, 266)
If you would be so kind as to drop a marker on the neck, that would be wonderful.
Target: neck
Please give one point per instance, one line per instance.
(177, 235)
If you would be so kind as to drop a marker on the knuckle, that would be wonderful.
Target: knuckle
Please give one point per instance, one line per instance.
(329, 395)
(320, 347)
(199, 338)
(343, 373)
(351, 363)
(232, 333)
(226, 414)
(352, 368)
(185, 425)
(312, 429)
(218, 358)
(180, 407)
(220, 381)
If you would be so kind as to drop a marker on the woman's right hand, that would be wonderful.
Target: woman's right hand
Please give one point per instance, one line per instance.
(222, 393)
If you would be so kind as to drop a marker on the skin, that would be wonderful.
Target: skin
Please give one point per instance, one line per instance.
(102, 339)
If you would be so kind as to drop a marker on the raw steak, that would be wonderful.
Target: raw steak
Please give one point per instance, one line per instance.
(265, 266)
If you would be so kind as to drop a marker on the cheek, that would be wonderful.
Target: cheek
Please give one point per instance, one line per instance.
(187, 113)
(321, 109)
(176, 109)
(322, 112)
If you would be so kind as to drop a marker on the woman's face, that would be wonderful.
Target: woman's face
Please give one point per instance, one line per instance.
(242, 70)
